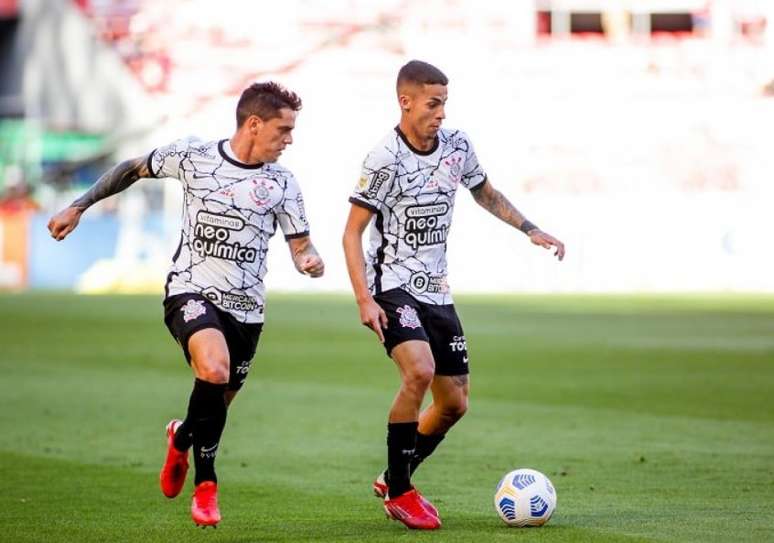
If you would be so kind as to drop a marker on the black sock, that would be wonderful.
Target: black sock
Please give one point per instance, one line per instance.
(207, 417)
(183, 436)
(426, 444)
(401, 445)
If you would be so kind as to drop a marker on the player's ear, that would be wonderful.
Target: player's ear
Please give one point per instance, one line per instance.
(254, 124)
(404, 101)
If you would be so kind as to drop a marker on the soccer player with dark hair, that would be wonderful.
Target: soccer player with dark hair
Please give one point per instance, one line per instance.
(235, 195)
(408, 184)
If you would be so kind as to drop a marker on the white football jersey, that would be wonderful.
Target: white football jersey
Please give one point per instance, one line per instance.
(230, 211)
(412, 195)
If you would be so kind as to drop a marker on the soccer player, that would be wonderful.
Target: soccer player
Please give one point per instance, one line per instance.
(408, 183)
(235, 194)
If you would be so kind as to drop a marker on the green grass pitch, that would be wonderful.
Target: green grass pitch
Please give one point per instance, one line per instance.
(654, 418)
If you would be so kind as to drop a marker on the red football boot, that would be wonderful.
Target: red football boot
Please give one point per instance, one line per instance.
(172, 476)
(204, 506)
(408, 509)
(380, 486)
(380, 491)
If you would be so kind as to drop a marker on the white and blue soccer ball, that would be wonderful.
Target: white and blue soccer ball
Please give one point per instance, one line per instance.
(525, 497)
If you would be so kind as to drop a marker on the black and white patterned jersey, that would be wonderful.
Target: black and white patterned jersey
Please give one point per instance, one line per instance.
(230, 211)
(412, 195)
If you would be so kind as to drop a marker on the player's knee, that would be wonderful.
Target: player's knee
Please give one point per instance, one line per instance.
(419, 379)
(216, 376)
(456, 409)
(213, 369)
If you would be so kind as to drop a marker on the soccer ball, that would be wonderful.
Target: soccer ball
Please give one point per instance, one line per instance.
(525, 497)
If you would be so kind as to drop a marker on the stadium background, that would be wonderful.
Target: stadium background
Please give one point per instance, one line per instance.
(637, 131)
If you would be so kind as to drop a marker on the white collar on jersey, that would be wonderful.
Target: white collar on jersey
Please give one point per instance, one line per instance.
(229, 151)
(226, 151)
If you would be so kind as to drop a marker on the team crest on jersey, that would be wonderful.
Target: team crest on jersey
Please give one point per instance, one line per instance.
(409, 317)
(261, 194)
(193, 309)
(455, 168)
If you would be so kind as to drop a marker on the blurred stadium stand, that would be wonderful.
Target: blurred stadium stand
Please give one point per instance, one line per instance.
(612, 123)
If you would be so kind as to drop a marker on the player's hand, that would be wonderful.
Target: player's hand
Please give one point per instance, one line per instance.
(64, 222)
(312, 265)
(538, 237)
(373, 316)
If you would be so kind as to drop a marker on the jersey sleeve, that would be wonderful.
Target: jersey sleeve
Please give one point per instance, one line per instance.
(376, 178)
(473, 175)
(291, 214)
(168, 160)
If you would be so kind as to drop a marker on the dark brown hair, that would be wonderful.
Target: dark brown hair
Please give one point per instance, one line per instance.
(421, 73)
(265, 100)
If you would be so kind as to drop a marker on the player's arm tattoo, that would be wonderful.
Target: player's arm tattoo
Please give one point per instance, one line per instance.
(498, 205)
(116, 179)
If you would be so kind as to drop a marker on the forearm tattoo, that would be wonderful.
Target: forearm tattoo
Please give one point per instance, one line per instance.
(114, 181)
(498, 205)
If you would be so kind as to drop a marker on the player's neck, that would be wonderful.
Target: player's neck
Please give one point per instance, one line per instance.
(417, 142)
(243, 150)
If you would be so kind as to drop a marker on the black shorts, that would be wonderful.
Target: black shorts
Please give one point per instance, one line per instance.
(438, 325)
(185, 314)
